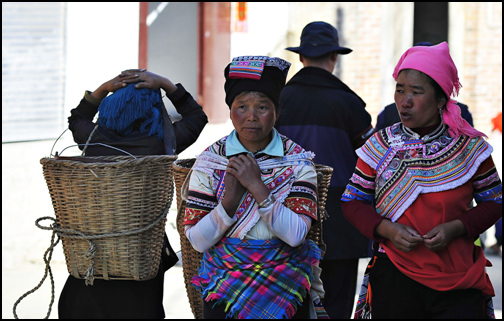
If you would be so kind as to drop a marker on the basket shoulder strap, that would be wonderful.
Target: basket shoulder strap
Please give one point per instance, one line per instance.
(184, 190)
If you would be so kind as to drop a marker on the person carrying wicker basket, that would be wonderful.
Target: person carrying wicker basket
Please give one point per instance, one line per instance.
(132, 119)
(252, 197)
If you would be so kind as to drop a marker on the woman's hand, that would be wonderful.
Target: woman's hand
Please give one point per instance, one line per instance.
(440, 236)
(245, 169)
(113, 84)
(233, 195)
(148, 80)
(402, 236)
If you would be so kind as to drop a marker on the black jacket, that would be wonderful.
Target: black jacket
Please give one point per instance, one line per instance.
(177, 136)
(323, 115)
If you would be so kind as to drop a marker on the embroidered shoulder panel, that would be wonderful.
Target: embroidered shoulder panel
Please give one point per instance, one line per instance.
(407, 166)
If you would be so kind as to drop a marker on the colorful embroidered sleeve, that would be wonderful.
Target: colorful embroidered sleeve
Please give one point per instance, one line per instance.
(302, 198)
(487, 191)
(361, 186)
(487, 184)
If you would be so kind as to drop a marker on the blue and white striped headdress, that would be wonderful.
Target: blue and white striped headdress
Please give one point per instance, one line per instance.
(129, 107)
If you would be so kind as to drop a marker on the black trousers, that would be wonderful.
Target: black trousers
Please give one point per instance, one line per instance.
(340, 280)
(112, 299)
(394, 295)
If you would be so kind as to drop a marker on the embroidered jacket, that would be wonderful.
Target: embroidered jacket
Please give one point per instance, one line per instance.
(252, 271)
(294, 186)
(423, 183)
(407, 166)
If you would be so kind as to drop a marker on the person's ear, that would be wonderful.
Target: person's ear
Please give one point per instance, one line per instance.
(334, 57)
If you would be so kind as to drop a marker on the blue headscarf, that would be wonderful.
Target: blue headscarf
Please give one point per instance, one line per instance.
(125, 106)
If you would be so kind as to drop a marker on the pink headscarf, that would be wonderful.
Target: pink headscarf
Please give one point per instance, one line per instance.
(436, 62)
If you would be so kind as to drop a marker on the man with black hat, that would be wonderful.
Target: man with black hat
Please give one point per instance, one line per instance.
(324, 115)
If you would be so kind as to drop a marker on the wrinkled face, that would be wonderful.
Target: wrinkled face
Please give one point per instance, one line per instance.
(253, 116)
(416, 100)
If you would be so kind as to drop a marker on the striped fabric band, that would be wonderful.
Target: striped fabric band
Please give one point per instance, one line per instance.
(251, 69)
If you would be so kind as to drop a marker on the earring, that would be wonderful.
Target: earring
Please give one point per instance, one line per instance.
(441, 114)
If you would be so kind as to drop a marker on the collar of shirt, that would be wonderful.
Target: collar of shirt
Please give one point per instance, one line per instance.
(274, 148)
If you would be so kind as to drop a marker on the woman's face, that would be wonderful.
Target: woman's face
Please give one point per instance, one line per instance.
(416, 101)
(253, 115)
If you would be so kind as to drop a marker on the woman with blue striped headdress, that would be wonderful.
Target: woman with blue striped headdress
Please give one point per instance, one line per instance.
(132, 119)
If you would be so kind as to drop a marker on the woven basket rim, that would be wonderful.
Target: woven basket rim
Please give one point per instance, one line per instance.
(182, 161)
(114, 160)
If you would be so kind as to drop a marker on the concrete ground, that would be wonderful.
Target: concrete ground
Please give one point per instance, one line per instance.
(25, 198)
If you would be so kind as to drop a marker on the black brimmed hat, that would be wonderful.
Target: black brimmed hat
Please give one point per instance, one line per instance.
(319, 38)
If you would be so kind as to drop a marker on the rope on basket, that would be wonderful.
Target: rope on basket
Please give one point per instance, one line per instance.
(47, 259)
(90, 253)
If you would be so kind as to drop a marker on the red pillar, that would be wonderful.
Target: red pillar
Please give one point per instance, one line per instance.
(214, 51)
(143, 35)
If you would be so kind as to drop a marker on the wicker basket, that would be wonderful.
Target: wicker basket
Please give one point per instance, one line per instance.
(117, 203)
(191, 258)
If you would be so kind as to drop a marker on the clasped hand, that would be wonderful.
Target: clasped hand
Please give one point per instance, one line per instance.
(245, 169)
(242, 174)
(406, 238)
(142, 78)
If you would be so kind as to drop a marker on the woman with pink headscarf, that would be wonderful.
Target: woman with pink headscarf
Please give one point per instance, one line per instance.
(411, 192)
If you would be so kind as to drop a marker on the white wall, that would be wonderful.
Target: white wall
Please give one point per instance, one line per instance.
(102, 40)
(267, 29)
